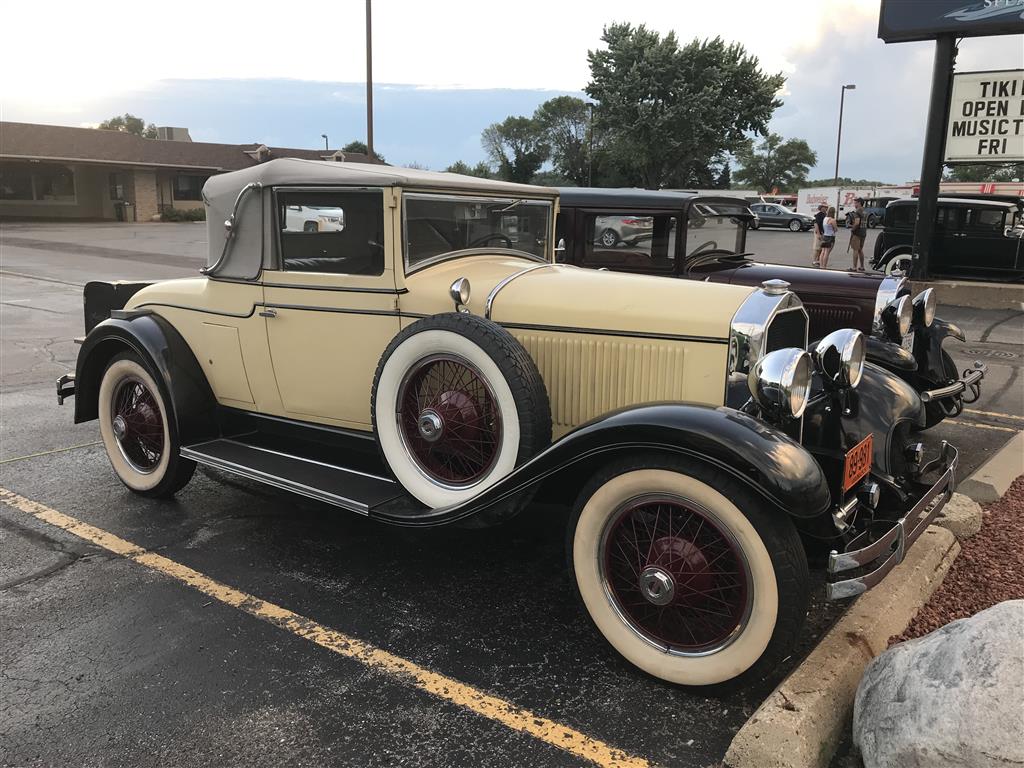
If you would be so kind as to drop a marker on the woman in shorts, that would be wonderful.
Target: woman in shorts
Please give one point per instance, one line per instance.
(828, 236)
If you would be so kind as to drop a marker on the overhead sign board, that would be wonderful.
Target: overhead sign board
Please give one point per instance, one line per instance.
(901, 21)
(986, 117)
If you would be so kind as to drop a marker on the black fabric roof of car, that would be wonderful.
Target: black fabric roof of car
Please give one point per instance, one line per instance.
(592, 197)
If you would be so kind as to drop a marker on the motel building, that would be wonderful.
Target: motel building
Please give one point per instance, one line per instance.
(53, 172)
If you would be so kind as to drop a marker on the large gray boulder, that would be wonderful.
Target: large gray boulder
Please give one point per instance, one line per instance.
(954, 697)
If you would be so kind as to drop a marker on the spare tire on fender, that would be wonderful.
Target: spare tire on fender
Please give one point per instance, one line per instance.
(457, 404)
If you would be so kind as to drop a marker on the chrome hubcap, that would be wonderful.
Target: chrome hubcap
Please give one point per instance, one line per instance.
(657, 586)
(120, 427)
(430, 425)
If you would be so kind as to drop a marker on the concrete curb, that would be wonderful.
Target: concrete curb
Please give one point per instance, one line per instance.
(975, 295)
(800, 724)
(991, 480)
(961, 516)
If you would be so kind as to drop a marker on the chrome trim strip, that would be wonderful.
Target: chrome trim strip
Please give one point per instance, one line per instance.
(197, 309)
(274, 480)
(502, 283)
(898, 539)
(956, 387)
(889, 289)
(608, 332)
(307, 460)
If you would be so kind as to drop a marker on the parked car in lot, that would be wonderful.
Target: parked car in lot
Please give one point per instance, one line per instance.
(902, 333)
(771, 215)
(975, 238)
(612, 230)
(874, 210)
(430, 364)
(313, 218)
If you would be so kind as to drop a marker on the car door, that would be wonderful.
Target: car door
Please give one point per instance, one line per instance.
(950, 250)
(983, 244)
(330, 304)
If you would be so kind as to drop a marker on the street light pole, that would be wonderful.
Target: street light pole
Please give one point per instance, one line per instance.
(839, 137)
(369, 85)
(590, 151)
(327, 147)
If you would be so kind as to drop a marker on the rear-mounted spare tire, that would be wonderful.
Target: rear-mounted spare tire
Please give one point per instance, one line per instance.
(457, 404)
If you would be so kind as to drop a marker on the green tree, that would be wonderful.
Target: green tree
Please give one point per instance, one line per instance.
(724, 180)
(128, 123)
(360, 147)
(997, 172)
(667, 114)
(775, 162)
(481, 169)
(565, 122)
(517, 147)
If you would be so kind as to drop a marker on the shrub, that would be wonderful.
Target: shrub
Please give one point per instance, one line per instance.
(177, 214)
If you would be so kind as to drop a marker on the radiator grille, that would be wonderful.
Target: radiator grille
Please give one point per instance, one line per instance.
(587, 377)
(826, 319)
(787, 329)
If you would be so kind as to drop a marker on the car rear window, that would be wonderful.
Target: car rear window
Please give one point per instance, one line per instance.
(339, 232)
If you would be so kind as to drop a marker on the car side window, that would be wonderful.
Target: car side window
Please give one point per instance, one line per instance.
(901, 216)
(987, 220)
(332, 231)
(630, 241)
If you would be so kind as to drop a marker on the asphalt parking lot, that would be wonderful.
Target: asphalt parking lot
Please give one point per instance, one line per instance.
(240, 625)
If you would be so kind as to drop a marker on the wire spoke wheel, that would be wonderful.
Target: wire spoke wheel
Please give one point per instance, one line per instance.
(137, 424)
(449, 420)
(675, 575)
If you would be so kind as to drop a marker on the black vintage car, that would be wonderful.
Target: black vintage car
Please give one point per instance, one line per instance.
(975, 238)
(698, 237)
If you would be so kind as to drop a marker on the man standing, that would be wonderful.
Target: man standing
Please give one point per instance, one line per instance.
(819, 219)
(858, 233)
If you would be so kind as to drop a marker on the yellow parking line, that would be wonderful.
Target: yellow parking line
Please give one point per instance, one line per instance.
(492, 707)
(994, 414)
(55, 450)
(964, 423)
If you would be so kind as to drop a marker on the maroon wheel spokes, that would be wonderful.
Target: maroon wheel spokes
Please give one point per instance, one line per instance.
(137, 424)
(675, 574)
(449, 420)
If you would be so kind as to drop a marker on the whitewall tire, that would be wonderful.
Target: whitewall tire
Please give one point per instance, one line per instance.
(457, 405)
(684, 574)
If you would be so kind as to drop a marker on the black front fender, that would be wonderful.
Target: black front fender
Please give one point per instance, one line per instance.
(928, 351)
(170, 361)
(890, 356)
(768, 461)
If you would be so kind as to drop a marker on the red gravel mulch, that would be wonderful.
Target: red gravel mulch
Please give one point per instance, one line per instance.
(989, 569)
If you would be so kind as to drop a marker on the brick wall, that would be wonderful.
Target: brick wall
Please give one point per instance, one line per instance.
(145, 195)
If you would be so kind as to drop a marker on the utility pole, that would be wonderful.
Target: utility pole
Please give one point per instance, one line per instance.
(369, 85)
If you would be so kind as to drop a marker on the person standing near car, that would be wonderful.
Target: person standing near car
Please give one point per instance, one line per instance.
(819, 219)
(858, 232)
(828, 237)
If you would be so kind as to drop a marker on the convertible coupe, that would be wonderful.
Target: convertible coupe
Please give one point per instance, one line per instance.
(429, 363)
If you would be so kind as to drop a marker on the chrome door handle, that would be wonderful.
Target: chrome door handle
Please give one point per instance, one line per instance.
(268, 312)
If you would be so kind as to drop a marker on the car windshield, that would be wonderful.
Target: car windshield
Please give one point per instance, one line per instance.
(716, 226)
(438, 225)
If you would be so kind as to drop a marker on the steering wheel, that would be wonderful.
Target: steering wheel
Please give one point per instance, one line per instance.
(491, 236)
(712, 243)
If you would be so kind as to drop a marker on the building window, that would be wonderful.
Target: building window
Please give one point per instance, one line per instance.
(29, 181)
(117, 186)
(189, 187)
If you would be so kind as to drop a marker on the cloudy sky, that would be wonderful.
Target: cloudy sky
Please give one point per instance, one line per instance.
(284, 73)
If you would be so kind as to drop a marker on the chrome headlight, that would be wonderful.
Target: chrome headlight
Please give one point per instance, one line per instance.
(840, 357)
(924, 308)
(781, 381)
(890, 289)
(903, 314)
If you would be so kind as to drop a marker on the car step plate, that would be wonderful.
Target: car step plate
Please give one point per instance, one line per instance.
(347, 488)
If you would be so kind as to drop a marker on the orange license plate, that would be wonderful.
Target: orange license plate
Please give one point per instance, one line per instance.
(858, 463)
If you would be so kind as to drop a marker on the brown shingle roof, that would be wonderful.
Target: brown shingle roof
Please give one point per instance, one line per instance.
(59, 142)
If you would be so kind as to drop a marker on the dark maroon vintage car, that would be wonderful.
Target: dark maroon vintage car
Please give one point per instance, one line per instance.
(699, 237)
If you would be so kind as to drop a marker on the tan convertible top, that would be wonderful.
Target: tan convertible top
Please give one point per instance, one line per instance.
(291, 171)
(252, 233)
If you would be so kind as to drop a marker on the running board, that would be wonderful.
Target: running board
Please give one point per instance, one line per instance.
(347, 488)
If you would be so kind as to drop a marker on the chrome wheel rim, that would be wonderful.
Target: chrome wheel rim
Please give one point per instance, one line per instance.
(675, 575)
(137, 425)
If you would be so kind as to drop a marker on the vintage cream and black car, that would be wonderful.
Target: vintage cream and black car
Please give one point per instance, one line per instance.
(429, 363)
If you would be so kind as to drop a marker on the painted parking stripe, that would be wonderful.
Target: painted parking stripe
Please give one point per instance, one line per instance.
(51, 452)
(446, 688)
(979, 425)
(994, 414)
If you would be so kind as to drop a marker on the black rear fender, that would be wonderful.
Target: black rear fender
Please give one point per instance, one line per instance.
(170, 361)
(101, 298)
(768, 461)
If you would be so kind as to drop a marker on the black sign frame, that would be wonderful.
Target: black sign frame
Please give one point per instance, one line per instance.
(904, 21)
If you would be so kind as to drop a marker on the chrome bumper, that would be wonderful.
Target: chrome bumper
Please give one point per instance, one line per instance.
(894, 543)
(65, 387)
(969, 379)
